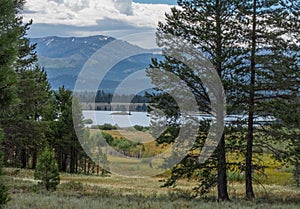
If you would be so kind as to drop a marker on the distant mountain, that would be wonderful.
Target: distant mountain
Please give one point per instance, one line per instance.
(63, 59)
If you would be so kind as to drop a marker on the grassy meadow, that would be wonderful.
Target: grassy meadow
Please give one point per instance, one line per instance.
(78, 191)
(113, 191)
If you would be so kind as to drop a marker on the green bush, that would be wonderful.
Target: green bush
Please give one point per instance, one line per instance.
(107, 127)
(47, 170)
(88, 121)
(235, 176)
(4, 198)
(108, 138)
(138, 128)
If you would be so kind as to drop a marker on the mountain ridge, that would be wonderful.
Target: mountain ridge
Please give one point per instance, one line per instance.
(64, 57)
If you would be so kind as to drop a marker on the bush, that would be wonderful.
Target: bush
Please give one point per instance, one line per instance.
(139, 128)
(107, 127)
(4, 198)
(47, 170)
(88, 121)
(108, 138)
(235, 176)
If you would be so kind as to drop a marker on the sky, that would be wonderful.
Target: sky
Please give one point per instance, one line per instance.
(132, 20)
(171, 2)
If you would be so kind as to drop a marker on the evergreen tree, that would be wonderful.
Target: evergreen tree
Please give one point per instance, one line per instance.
(68, 128)
(26, 126)
(210, 26)
(287, 133)
(24, 122)
(9, 34)
(270, 65)
(9, 40)
(47, 170)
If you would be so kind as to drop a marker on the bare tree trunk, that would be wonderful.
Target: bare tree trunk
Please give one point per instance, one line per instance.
(222, 175)
(249, 151)
(34, 158)
(23, 158)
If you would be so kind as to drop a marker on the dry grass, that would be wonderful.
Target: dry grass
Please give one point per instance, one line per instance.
(148, 143)
(122, 192)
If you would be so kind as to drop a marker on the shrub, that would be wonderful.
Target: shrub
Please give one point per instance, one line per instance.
(108, 138)
(47, 170)
(139, 128)
(88, 121)
(107, 127)
(4, 198)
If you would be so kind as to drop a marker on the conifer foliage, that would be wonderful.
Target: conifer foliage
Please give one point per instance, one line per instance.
(47, 170)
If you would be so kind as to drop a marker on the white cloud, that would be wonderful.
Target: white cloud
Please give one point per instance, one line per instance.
(90, 12)
(124, 6)
(117, 18)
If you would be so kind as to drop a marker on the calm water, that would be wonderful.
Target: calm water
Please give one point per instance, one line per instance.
(101, 117)
(143, 119)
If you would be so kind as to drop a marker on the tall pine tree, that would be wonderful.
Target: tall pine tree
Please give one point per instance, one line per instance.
(269, 71)
(23, 123)
(9, 40)
(210, 26)
(68, 128)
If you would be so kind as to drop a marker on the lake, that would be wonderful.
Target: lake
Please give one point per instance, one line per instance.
(143, 119)
(123, 121)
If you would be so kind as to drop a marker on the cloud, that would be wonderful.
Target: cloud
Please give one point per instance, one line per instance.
(117, 18)
(124, 6)
(90, 12)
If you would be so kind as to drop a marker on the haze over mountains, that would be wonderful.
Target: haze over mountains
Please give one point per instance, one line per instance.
(64, 58)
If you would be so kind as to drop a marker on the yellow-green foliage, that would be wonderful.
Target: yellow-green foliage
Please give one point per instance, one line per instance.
(274, 172)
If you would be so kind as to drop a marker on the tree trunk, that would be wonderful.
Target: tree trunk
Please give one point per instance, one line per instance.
(250, 137)
(72, 160)
(64, 162)
(222, 175)
(85, 165)
(23, 158)
(249, 186)
(34, 158)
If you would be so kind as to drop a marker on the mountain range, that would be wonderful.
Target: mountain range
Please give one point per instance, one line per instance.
(64, 57)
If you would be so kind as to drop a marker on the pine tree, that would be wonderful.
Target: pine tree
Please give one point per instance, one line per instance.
(47, 170)
(9, 40)
(9, 34)
(210, 26)
(69, 127)
(270, 64)
(24, 122)
(27, 124)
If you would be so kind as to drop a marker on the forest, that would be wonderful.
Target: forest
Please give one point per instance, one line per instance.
(253, 46)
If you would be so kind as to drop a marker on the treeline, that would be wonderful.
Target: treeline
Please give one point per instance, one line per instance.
(32, 115)
(102, 97)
